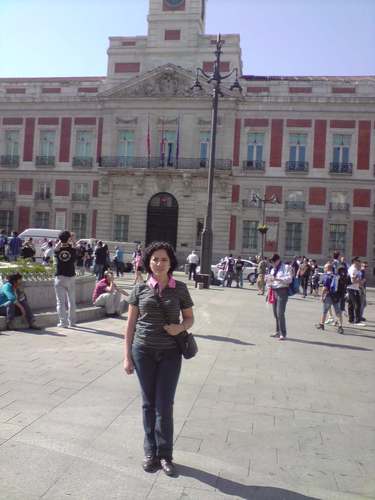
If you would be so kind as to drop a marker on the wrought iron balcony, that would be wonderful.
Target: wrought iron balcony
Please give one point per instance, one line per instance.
(7, 195)
(42, 196)
(82, 161)
(45, 161)
(252, 165)
(297, 166)
(157, 162)
(295, 205)
(9, 160)
(80, 197)
(341, 168)
(339, 207)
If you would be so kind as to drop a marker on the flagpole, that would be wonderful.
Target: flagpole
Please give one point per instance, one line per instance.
(178, 142)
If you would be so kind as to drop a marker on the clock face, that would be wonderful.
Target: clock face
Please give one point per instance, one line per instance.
(175, 4)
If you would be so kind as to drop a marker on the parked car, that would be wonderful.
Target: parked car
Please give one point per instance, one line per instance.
(249, 271)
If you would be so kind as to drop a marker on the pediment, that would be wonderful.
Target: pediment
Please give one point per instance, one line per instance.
(163, 82)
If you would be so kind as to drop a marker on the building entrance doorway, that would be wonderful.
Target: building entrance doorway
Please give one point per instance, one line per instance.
(162, 219)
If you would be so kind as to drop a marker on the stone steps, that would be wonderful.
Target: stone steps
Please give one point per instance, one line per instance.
(84, 312)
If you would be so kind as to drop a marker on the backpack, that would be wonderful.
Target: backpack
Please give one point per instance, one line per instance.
(293, 288)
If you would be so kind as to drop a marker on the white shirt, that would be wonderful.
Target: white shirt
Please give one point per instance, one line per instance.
(354, 273)
(282, 279)
(193, 258)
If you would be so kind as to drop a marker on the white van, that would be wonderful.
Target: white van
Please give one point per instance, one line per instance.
(40, 236)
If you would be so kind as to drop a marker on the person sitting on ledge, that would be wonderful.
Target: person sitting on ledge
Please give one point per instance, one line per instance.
(107, 294)
(13, 302)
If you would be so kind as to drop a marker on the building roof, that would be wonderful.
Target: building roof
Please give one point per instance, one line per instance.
(309, 78)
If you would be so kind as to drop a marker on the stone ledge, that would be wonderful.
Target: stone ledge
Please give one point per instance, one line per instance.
(84, 312)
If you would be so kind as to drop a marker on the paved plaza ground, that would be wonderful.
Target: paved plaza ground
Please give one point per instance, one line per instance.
(255, 418)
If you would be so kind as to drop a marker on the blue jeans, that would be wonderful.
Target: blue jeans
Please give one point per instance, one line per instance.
(158, 372)
(11, 311)
(279, 309)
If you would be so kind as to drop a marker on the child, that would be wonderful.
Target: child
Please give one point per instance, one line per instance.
(333, 290)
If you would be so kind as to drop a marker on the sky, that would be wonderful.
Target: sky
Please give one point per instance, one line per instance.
(46, 38)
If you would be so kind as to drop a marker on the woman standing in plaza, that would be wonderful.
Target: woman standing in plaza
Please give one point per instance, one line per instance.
(152, 352)
(278, 282)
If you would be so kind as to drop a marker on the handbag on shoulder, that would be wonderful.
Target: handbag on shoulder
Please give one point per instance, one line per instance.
(185, 341)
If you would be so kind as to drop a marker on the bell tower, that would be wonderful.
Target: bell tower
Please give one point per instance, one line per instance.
(172, 21)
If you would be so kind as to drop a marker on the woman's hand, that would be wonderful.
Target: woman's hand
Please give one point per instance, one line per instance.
(128, 366)
(173, 329)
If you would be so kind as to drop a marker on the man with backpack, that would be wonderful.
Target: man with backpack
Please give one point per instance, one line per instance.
(334, 287)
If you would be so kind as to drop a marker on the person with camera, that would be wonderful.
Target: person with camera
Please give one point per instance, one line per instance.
(65, 286)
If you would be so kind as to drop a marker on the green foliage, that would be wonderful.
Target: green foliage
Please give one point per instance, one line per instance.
(29, 270)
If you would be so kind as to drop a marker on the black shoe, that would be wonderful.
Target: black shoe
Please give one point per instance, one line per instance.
(168, 467)
(275, 335)
(320, 326)
(151, 463)
(33, 326)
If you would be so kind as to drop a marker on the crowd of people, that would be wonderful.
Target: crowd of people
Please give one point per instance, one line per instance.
(69, 257)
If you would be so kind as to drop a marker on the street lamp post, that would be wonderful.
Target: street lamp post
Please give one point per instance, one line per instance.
(263, 202)
(216, 78)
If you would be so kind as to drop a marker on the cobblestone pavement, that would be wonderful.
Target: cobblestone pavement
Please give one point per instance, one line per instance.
(255, 418)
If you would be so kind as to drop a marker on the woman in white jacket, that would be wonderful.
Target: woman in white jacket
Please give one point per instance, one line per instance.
(278, 282)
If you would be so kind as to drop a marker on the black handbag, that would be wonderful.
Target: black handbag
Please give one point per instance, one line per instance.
(185, 341)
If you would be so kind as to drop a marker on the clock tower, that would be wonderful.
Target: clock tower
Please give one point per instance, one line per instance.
(176, 20)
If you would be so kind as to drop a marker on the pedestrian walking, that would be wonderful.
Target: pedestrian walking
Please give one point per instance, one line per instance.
(138, 265)
(229, 271)
(118, 260)
(354, 307)
(193, 261)
(65, 255)
(152, 351)
(3, 244)
(239, 265)
(100, 253)
(334, 288)
(278, 282)
(14, 246)
(304, 272)
(262, 271)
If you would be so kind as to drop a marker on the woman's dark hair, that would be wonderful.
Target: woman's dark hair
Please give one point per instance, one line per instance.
(13, 278)
(154, 247)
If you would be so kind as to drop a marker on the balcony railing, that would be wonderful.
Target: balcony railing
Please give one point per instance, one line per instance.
(82, 161)
(157, 162)
(45, 161)
(7, 195)
(341, 168)
(9, 160)
(42, 196)
(295, 205)
(340, 207)
(252, 165)
(80, 197)
(297, 166)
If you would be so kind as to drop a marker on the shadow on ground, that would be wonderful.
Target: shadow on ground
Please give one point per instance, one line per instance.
(327, 344)
(229, 487)
(222, 339)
